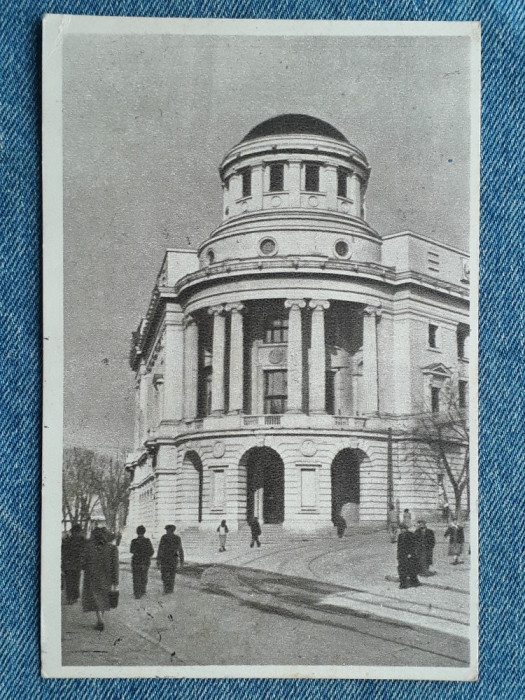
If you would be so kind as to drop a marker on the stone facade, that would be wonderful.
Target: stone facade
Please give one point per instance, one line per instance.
(279, 365)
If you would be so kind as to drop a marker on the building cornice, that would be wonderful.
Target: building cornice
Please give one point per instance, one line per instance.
(425, 239)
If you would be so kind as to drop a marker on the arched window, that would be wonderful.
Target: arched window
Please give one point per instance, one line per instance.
(276, 330)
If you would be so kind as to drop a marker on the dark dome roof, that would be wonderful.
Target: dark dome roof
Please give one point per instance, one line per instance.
(294, 124)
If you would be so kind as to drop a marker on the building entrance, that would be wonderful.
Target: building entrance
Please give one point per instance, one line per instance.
(192, 466)
(264, 485)
(345, 484)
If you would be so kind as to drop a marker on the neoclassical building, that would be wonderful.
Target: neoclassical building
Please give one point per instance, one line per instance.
(278, 365)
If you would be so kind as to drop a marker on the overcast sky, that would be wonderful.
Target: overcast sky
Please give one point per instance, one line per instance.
(147, 121)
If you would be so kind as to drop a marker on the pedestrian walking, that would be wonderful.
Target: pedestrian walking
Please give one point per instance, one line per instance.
(407, 518)
(100, 564)
(223, 531)
(142, 551)
(256, 532)
(393, 523)
(456, 536)
(169, 554)
(72, 553)
(425, 542)
(340, 525)
(406, 558)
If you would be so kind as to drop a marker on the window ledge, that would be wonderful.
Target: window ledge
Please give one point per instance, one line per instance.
(438, 350)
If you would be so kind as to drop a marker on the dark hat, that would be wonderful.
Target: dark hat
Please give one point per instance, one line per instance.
(141, 530)
(170, 527)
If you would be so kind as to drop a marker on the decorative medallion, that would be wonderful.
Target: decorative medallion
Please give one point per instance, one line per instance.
(276, 201)
(308, 448)
(313, 201)
(276, 356)
(344, 206)
(219, 449)
(268, 246)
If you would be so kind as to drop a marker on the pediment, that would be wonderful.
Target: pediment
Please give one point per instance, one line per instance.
(438, 369)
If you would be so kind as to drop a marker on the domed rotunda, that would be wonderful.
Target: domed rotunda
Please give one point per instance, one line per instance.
(279, 365)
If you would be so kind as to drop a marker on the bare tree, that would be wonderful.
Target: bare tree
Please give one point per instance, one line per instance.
(112, 484)
(441, 445)
(79, 488)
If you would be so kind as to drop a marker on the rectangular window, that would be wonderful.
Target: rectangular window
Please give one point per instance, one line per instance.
(433, 261)
(276, 177)
(246, 176)
(308, 489)
(275, 391)
(462, 393)
(432, 335)
(276, 330)
(342, 182)
(462, 334)
(311, 177)
(219, 488)
(330, 393)
(434, 397)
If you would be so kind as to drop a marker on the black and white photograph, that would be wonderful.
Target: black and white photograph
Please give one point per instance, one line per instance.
(260, 348)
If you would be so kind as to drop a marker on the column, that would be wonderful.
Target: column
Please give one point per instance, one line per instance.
(191, 367)
(236, 358)
(317, 383)
(354, 194)
(329, 174)
(257, 187)
(136, 431)
(371, 316)
(218, 357)
(143, 402)
(173, 364)
(295, 355)
(292, 183)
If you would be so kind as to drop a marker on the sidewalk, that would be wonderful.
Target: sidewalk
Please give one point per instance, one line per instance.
(361, 569)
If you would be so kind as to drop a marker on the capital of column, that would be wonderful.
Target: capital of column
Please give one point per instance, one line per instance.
(237, 307)
(319, 304)
(216, 310)
(376, 311)
(189, 320)
(295, 303)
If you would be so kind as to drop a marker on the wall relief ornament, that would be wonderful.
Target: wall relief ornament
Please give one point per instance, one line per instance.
(218, 449)
(308, 448)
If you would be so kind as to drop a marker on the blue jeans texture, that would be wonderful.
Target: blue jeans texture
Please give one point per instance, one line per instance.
(501, 458)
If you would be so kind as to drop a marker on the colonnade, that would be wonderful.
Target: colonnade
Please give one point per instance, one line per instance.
(181, 361)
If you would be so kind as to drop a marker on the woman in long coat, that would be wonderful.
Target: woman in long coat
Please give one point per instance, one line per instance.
(456, 536)
(100, 566)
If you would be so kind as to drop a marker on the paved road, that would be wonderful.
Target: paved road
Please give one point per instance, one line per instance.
(222, 615)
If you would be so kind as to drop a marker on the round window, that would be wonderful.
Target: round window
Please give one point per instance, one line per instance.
(210, 256)
(342, 249)
(267, 246)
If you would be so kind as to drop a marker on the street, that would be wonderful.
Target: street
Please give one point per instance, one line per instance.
(222, 614)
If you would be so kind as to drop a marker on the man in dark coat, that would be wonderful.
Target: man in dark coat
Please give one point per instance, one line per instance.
(406, 558)
(169, 554)
(142, 551)
(425, 542)
(256, 531)
(72, 553)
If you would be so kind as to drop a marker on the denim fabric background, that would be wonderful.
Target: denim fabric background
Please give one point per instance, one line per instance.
(501, 479)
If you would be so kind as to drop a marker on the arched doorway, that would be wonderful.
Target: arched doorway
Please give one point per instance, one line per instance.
(264, 485)
(346, 484)
(193, 473)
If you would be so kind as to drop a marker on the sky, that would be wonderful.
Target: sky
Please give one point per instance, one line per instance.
(146, 123)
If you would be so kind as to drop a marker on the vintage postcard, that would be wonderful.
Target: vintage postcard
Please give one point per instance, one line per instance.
(260, 348)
